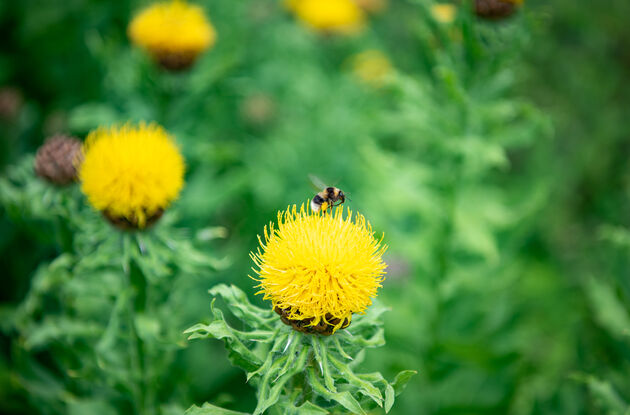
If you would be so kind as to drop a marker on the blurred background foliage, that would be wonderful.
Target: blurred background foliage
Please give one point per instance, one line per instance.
(494, 156)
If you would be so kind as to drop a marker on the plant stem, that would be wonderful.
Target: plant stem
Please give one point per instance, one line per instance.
(137, 302)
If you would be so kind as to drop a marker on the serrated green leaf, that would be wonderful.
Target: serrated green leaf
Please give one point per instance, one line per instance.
(268, 396)
(241, 307)
(240, 355)
(270, 356)
(344, 398)
(363, 386)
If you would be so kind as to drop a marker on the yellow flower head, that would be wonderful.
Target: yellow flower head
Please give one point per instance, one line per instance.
(339, 16)
(443, 12)
(131, 172)
(371, 67)
(172, 28)
(319, 268)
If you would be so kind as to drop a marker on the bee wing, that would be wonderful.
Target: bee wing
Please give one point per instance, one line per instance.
(317, 183)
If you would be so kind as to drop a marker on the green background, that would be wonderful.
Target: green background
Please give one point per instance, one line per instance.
(494, 159)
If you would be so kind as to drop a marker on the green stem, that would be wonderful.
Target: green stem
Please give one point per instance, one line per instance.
(137, 350)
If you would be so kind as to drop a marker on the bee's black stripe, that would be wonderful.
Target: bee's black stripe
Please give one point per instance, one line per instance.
(318, 199)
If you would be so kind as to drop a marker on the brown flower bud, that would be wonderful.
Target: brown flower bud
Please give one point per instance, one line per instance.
(175, 61)
(11, 102)
(57, 159)
(495, 9)
(258, 109)
(325, 328)
(132, 223)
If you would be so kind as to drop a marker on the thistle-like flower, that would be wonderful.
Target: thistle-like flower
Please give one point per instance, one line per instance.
(329, 16)
(173, 32)
(371, 67)
(443, 12)
(319, 268)
(131, 173)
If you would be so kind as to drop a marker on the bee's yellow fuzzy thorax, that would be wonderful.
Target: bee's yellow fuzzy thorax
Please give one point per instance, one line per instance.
(319, 265)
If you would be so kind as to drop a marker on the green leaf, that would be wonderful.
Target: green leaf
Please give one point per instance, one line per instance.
(608, 309)
(401, 380)
(307, 408)
(270, 356)
(321, 356)
(364, 386)
(58, 328)
(242, 308)
(605, 395)
(269, 396)
(209, 409)
(90, 407)
(240, 355)
(91, 115)
(345, 399)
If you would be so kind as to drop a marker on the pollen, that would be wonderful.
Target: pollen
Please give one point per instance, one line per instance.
(131, 173)
(174, 32)
(319, 268)
(330, 16)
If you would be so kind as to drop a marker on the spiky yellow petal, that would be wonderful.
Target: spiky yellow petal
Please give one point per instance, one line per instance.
(172, 27)
(320, 266)
(131, 171)
(338, 16)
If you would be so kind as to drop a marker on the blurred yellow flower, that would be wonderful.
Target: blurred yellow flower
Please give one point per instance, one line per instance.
(131, 173)
(319, 268)
(332, 16)
(174, 32)
(443, 12)
(371, 67)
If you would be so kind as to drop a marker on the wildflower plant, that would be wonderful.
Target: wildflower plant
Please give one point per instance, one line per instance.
(173, 32)
(317, 269)
(101, 323)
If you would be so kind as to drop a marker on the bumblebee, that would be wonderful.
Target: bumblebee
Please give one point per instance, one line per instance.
(327, 199)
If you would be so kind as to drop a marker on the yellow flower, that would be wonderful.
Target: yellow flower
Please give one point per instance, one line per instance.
(173, 32)
(443, 12)
(319, 268)
(131, 173)
(371, 67)
(336, 16)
